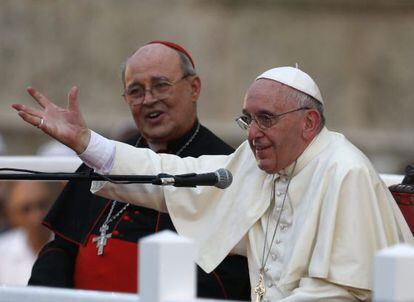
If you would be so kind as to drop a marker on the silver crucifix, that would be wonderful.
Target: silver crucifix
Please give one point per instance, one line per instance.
(260, 289)
(102, 239)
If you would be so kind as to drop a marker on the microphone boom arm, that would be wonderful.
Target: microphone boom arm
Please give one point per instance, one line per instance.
(221, 178)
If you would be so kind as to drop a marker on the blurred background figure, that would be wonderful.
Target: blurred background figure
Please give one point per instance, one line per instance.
(26, 204)
(3, 220)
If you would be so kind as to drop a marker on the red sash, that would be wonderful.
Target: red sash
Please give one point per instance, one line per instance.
(115, 270)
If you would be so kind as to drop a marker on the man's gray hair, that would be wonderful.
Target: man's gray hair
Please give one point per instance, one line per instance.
(186, 66)
(305, 100)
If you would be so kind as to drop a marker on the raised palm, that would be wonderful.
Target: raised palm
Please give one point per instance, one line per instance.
(63, 124)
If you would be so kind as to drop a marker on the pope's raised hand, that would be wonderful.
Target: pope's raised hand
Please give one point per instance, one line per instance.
(63, 124)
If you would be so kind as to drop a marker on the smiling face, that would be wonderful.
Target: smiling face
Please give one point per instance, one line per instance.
(277, 147)
(170, 117)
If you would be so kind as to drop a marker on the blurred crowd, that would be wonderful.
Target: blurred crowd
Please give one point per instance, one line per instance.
(23, 205)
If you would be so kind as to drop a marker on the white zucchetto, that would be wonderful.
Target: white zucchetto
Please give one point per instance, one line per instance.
(295, 78)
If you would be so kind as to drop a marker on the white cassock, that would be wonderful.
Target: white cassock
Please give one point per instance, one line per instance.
(337, 214)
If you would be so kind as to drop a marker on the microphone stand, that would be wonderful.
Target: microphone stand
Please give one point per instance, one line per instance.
(160, 179)
(221, 178)
(80, 176)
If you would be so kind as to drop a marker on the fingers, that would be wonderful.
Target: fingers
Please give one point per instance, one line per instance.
(34, 120)
(17, 107)
(73, 99)
(28, 110)
(40, 98)
(52, 113)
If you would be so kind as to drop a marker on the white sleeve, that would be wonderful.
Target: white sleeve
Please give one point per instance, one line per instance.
(100, 153)
(313, 289)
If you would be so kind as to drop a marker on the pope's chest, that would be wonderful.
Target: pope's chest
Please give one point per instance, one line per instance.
(273, 237)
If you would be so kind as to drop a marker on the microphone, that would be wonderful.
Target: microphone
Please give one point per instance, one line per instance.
(221, 178)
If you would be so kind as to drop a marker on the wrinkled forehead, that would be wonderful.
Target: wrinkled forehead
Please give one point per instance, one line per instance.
(267, 93)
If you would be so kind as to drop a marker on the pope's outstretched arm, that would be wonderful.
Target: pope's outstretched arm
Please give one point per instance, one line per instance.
(63, 124)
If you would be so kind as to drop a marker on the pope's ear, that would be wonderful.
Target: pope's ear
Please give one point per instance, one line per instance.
(195, 83)
(311, 122)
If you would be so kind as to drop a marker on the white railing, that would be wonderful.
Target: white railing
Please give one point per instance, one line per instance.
(392, 179)
(41, 163)
(167, 273)
(48, 294)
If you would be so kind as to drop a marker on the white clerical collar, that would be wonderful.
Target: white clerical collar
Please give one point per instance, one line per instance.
(318, 143)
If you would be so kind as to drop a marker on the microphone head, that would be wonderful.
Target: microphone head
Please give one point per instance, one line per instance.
(224, 178)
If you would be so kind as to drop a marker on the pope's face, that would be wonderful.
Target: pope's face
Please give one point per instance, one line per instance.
(161, 120)
(277, 147)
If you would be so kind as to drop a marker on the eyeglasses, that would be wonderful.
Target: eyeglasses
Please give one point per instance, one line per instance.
(263, 121)
(159, 90)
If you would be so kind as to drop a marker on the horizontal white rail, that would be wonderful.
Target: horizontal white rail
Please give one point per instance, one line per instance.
(41, 163)
(392, 179)
(48, 294)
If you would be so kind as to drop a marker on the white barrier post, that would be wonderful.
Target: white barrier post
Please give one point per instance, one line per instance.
(168, 270)
(394, 274)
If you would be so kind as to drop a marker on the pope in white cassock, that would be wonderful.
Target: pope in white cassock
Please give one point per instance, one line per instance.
(306, 206)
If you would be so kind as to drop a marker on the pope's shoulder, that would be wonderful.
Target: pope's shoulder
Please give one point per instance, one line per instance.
(344, 155)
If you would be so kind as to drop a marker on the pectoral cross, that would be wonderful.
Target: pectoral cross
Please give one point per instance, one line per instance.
(260, 289)
(102, 239)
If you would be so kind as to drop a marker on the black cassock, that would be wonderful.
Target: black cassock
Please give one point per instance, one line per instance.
(71, 259)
